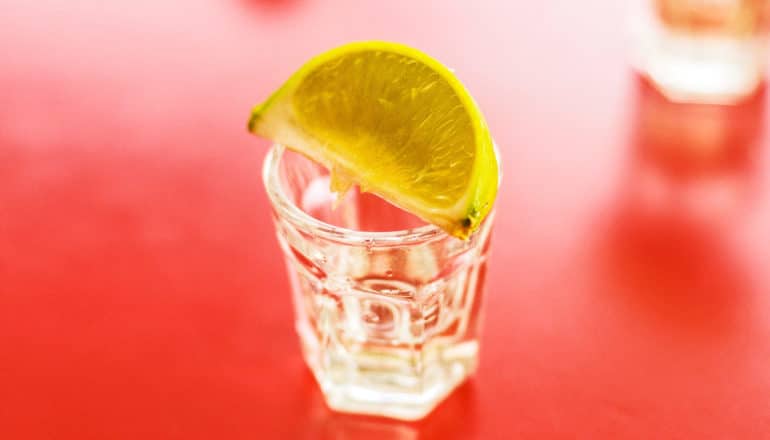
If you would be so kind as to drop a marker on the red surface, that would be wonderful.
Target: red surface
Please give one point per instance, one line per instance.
(141, 290)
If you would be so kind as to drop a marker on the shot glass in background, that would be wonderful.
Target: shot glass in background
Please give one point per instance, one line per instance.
(388, 320)
(702, 51)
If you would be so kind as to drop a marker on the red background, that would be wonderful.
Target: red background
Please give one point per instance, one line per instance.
(142, 294)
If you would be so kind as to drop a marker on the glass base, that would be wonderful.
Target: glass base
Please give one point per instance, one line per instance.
(385, 382)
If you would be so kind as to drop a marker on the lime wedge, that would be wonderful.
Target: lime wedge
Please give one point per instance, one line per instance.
(394, 121)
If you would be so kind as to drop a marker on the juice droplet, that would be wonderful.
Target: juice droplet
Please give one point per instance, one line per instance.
(339, 184)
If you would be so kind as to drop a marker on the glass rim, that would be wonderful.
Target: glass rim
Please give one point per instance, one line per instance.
(286, 209)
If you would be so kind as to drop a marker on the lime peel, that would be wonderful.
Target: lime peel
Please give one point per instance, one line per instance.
(394, 121)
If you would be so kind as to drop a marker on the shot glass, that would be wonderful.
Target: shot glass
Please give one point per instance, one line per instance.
(702, 51)
(387, 308)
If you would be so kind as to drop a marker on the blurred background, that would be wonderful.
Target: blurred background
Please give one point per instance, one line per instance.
(141, 292)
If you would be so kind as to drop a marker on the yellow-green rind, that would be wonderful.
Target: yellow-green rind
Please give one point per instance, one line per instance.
(268, 117)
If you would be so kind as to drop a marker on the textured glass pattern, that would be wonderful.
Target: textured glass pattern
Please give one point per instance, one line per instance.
(388, 321)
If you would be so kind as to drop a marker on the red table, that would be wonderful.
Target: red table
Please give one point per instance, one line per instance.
(142, 294)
